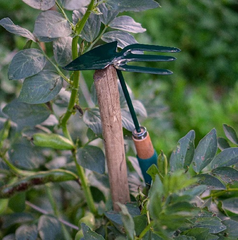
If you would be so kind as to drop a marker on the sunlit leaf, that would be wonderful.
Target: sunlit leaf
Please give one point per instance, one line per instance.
(205, 151)
(230, 204)
(50, 25)
(15, 29)
(126, 23)
(41, 5)
(107, 15)
(123, 39)
(26, 63)
(74, 4)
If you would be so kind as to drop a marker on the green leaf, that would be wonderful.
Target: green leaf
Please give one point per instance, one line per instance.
(230, 134)
(232, 227)
(132, 5)
(92, 119)
(200, 234)
(140, 224)
(26, 232)
(128, 222)
(41, 88)
(183, 155)
(226, 158)
(222, 143)
(213, 224)
(26, 115)
(185, 238)
(89, 234)
(126, 23)
(26, 63)
(211, 182)
(205, 151)
(49, 228)
(123, 38)
(92, 158)
(62, 48)
(227, 174)
(14, 218)
(74, 4)
(107, 15)
(15, 29)
(153, 171)
(91, 28)
(24, 155)
(230, 204)
(17, 202)
(50, 25)
(41, 5)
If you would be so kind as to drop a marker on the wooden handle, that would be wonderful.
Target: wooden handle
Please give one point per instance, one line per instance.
(109, 104)
(144, 147)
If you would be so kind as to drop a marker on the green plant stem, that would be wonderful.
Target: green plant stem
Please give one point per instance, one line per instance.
(145, 230)
(220, 193)
(85, 187)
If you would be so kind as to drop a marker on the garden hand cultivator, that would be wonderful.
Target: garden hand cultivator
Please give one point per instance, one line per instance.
(105, 55)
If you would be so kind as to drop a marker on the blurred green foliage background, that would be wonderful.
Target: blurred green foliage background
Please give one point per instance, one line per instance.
(202, 92)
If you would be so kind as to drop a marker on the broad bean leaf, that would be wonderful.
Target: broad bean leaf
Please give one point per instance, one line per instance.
(232, 227)
(211, 182)
(89, 234)
(132, 5)
(15, 29)
(214, 224)
(92, 119)
(50, 25)
(230, 204)
(182, 237)
(205, 151)
(62, 50)
(201, 234)
(41, 87)
(92, 158)
(26, 63)
(91, 28)
(128, 222)
(41, 5)
(126, 23)
(223, 143)
(226, 158)
(140, 223)
(14, 218)
(26, 115)
(182, 157)
(227, 174)
(107, 15)
(123, 38)
(74, 4)
(230, 134)
(24, 155)
(49, 228)
(26, 232)
(17, 202)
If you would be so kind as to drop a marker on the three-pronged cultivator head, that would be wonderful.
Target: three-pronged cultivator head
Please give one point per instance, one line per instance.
(105, 55)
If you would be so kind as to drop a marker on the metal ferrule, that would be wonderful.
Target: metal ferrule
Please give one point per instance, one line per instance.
(140, 135)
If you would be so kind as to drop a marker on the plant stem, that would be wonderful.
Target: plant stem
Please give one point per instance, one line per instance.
(145, 230)
(85, 186)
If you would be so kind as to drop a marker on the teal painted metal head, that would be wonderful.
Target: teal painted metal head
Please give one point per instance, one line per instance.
(105, 55)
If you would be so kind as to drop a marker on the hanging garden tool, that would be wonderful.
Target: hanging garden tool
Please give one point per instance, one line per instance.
(105, 55)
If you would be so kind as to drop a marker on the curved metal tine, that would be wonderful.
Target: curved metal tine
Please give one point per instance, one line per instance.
(147, 58)
(149, 48)
(144, 70)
